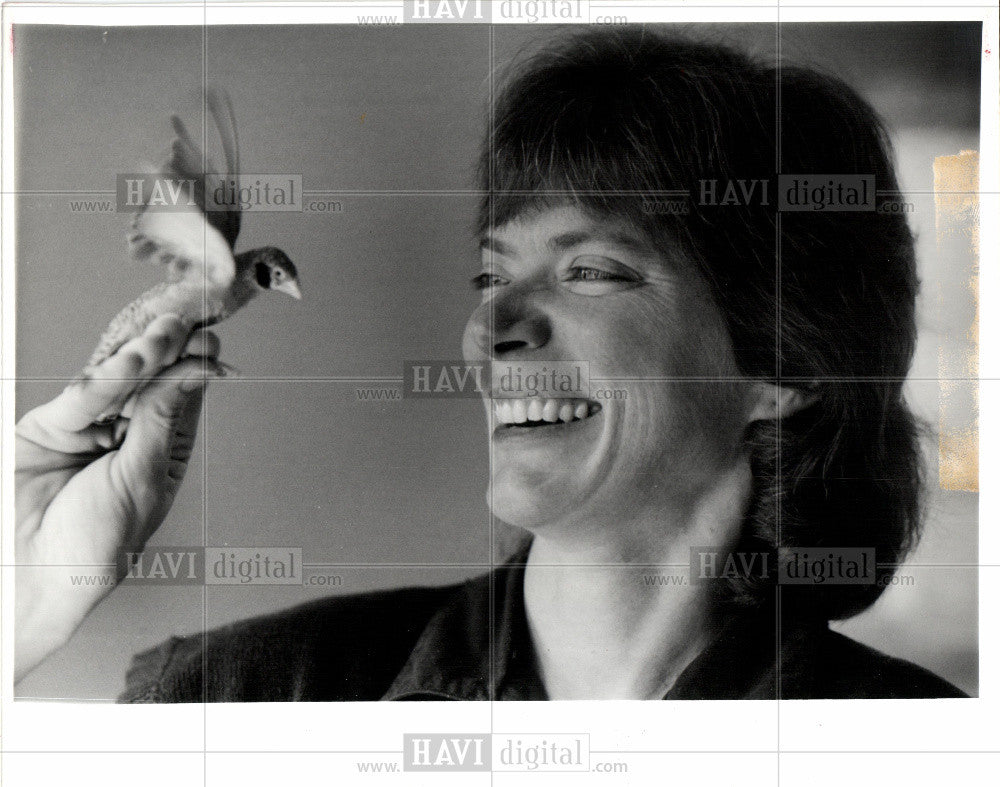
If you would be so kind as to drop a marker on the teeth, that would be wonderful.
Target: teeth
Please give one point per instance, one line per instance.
(519, 411)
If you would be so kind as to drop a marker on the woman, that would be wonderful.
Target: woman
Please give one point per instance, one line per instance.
(762, 354)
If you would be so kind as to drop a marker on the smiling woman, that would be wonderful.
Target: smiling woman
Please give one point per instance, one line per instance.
(567, 286)
(821, 302)
(759, 356)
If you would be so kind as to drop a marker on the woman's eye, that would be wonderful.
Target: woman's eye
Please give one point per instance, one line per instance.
(486, 280)
(594, 268)
(590, 274)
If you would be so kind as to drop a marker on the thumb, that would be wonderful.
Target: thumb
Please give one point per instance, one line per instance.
(161, 433)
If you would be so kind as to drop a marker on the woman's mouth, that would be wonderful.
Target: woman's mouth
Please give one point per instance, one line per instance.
(538, 411)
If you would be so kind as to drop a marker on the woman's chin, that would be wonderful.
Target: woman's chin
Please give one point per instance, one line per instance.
(532, 508)
(524, 508)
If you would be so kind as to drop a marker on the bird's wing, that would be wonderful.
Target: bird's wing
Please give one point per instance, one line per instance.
(193, 241)
(187, 243)
(188, 163)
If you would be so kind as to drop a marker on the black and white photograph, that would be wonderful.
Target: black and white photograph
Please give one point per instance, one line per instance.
(490, 353)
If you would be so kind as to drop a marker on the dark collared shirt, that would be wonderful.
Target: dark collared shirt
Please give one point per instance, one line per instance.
(471, 642)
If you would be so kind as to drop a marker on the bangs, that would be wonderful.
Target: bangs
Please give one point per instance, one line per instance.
(560, 167)
(589, 126)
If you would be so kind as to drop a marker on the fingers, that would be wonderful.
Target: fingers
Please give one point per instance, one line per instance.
(201, 344)
(110, 435)
(161, 432)
(107, 385)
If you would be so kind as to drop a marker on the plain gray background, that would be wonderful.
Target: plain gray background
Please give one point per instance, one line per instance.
(296, 459)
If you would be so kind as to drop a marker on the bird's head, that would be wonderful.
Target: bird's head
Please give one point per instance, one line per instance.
(272, 270)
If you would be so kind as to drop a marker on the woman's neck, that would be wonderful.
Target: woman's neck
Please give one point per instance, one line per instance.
(621, 619)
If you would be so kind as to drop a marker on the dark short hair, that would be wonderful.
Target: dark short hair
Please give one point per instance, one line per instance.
(825, 300)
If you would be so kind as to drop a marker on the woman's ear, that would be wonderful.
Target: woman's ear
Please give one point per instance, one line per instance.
(773, 401)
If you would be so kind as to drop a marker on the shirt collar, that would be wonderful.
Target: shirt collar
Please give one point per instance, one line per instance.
(459, 657)
(752, 654)
(477, 647)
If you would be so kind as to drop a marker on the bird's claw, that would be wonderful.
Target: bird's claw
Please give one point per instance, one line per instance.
(213, 369)
(226, 370)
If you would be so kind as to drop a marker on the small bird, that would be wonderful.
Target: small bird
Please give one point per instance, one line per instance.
(206, 282)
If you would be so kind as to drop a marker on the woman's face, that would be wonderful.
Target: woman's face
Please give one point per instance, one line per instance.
(559, 286)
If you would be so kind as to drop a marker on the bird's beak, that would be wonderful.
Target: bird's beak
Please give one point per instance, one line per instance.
(290, 287)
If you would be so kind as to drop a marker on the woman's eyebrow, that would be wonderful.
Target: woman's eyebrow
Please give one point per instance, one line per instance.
(625, 240)
(496, 246)
(567, 240)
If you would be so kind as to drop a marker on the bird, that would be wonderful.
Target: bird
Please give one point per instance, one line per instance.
(195, 241)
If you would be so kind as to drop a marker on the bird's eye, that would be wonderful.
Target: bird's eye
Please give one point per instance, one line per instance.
(278, 274)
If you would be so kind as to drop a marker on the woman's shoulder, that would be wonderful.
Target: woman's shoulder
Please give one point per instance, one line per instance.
(354, 647)
(336, 648)
(847, 669)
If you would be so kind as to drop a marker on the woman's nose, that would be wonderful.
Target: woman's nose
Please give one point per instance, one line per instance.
(510, 322)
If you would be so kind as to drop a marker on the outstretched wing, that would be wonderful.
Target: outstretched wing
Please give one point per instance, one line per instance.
(188, 163)
(181, 223)
(186, 242)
